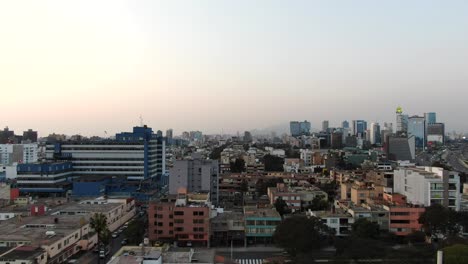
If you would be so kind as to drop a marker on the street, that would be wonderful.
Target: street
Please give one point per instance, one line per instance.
(115, 245)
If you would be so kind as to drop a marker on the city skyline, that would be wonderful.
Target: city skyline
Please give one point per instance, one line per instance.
(85, 68)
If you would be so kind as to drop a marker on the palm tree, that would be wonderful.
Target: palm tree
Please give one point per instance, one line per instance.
(98, 222)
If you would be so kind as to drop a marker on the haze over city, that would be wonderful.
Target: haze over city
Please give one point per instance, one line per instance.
(217, 66)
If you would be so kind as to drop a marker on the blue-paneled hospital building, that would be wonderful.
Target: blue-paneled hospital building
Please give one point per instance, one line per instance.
(131, 158)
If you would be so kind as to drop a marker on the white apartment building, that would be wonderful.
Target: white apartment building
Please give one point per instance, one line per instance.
(18, 153)
(428, 185)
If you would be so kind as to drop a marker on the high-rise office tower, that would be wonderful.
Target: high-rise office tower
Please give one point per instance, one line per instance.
(247, 136)
(435, 133)
(430, 118)
(401, 120)
(359, 128)
(375, 133)
(325, 125)
(417, 128)
(345, 124)
(299, 128)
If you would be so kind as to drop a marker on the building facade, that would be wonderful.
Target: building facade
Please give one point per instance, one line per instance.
(183, 218)
(137, 155)
(195, 175)
(428, 185)
(45, 178)
(417, 128)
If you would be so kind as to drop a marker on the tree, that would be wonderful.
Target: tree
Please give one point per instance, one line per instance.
(273, 163)
(300, 235)
(365, 229)
(237, 166)
(216, 152)
(135, 232)
(98, 223)
(439, 221)
(281, 206)
(261, 186)
(416, 237)
(457, 254)
(244, 186)
(318, 204)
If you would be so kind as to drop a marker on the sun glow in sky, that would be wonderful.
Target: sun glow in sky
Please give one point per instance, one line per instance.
(89, 66)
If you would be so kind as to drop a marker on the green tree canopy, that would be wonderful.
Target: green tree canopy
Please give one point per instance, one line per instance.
(457, 254)
(281, 206)
(438, 221)
(365, 229)
(237, 166)
(135, 232)
(299, 234)
(98, 223)
(273, 163)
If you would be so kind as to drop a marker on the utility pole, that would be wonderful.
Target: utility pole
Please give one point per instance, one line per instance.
(232, 251)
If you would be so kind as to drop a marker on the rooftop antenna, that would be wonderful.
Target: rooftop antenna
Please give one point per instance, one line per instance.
(141, 120)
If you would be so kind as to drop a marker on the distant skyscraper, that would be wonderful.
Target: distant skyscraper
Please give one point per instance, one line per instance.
(169, 133)
(417, 128)
(375, 135)
(299, 128)
(247, 136)
(435, 133)
(430, 118)
(325, 125)
(401, 148)
(345, 124)
(359, 128)
(169, 136)
(402, 121)
(388, 126)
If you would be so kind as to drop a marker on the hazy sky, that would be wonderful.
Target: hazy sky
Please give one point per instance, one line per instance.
(89, 66)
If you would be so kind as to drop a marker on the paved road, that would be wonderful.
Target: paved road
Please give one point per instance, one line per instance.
(93, 257)
(454, 159)
(116, 243)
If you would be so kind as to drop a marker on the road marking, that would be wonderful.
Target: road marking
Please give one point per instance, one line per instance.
(249, 261)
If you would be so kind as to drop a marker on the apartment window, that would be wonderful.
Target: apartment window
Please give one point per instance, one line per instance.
(399, 221)
(171, 224)
(179, 221)
(171, 216)
(179, 213)
(198, 229)
(160, 224)
(198, 221)
(199, 236)
(160, 232)
(333, 221)
(399, 213)
(159, 208)
(199, 213)
(179, 229)
(159, 216)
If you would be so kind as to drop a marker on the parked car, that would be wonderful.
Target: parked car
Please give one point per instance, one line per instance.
(115, 234)
(124, 242)
(103, 253)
